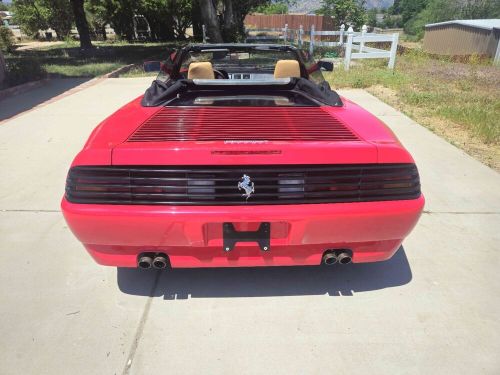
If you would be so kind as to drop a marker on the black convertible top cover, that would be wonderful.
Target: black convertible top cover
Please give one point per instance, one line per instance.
(161, 92)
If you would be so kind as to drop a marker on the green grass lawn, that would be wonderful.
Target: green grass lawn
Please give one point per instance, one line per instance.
(460, 101)
(138, 71)
(86, 69)
(66, 60)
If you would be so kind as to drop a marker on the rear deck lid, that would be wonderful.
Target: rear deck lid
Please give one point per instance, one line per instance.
(243, 135)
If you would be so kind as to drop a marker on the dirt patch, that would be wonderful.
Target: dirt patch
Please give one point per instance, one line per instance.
(454, 133)
(487, 75)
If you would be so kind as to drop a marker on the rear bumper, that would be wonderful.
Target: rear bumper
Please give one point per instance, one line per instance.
(192, 236)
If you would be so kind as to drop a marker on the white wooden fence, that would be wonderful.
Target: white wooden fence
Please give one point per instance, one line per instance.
(353, 42)
(313, 42)
(357, 43)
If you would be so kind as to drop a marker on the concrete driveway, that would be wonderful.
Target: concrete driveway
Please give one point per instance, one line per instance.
(434, 308)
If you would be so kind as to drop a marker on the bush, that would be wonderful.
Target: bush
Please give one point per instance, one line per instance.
(6, 39)
(22, 70)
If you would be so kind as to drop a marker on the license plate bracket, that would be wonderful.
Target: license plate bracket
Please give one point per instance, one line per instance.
(231, 236)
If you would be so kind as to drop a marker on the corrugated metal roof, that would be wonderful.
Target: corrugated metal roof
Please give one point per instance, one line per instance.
(487, 24)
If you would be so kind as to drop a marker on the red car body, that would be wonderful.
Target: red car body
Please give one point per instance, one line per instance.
(193, 236)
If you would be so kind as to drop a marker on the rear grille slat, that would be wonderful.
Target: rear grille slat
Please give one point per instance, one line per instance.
(218, 185)
(244, 123)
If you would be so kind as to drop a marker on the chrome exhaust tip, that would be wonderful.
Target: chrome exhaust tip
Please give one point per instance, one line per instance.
(329, 259)
(145, 262)
(344, 258)
(160, 262)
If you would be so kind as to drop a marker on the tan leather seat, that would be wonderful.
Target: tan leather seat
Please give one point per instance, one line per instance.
(287, 69)
(201, 70)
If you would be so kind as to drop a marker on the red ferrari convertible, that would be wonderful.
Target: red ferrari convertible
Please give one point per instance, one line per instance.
(241, 155)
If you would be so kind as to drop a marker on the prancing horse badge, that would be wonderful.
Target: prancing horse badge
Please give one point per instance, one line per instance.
(247, 185)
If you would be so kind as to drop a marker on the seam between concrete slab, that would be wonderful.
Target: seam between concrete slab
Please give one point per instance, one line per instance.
(140, 327)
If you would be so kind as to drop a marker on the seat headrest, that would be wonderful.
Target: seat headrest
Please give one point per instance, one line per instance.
(201, 70)
(287, 69)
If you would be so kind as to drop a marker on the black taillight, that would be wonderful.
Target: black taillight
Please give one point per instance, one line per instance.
(218, 185)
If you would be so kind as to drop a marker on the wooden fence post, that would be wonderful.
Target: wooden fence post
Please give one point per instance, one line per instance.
(394, 50)
(341, 36)
(311, 41)
(348, 49)
(362, 42)
(301, 32)
(204, 30)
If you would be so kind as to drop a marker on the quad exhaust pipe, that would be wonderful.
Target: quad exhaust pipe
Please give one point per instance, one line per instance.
(151, 260)
(329, 259)
(344, 258)
(145, 262)
(160, 262)
(338, 256)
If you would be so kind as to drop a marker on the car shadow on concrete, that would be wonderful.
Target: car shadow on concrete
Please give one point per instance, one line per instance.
(17, 104)
(337, 280)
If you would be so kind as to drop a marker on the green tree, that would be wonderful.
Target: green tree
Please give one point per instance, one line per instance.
(35, 15)
(159, 14)
(371, 16)
(31, 16)
(445, 10)
(280, 7)
(168, 19)
(81, 24)
(7, 40)
(474, 9)
(4, 6)
(182, 11)
(347, 12)
(196, 21)
(121, 15)
(435, 11)
(61, 17)
(224, 18)
(210, 19)
(97, 16)
(395, 8)
(391, 21)
(410, 8)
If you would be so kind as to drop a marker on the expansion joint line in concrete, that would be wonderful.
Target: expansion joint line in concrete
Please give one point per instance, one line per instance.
(142, 323)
